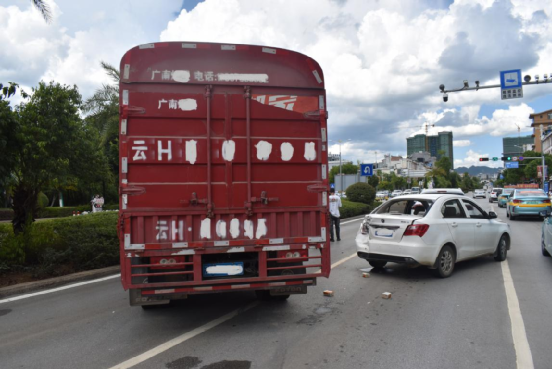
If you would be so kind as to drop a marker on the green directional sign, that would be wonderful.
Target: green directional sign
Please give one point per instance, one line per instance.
(495, 159)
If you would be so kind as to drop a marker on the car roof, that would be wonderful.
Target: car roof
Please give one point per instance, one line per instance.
(425, 196)
(454, 191)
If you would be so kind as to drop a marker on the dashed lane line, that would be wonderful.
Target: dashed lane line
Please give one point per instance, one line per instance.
(524, 358)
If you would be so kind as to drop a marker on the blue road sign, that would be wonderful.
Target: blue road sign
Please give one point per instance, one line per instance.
(366, 170)
(332, 185)
(512, 164)
(511, 84)
(501, 176)
(546, 187)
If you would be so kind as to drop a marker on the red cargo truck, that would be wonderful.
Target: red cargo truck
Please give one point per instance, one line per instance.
(223, 171)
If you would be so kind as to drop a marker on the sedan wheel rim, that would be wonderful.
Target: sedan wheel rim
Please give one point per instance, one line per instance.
(446, 261)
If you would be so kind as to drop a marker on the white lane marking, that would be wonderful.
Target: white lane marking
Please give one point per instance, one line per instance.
(182, 338)
(521, 344)
(58, 289)
(339, 262)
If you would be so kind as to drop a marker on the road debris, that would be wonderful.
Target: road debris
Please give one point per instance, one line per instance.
(328, 293)
(386, 295)
(365, 275)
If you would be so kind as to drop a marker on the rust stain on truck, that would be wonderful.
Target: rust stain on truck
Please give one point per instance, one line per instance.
(223, 171)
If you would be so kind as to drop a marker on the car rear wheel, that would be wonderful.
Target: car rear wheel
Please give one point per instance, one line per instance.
(445, 262)
(543, 249)
(501, 249)
(377, 263)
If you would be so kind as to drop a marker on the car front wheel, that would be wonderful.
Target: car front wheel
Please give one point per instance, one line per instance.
(501, 249)
(543, 249)
(445, 262)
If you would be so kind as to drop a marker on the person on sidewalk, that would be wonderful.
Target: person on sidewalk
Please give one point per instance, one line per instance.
(335, 204)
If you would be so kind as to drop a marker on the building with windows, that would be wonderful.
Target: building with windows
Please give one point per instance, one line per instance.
(442, 141)
(514, 146)
(540, 123)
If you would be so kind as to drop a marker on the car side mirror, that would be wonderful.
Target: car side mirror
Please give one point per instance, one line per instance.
(492, 215)
(545, 213)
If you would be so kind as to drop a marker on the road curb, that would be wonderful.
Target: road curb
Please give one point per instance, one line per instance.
(22, 288)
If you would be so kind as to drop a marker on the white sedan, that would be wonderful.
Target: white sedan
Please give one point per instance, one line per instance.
(431, 230)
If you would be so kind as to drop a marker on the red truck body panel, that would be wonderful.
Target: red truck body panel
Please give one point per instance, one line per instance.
(223, 158)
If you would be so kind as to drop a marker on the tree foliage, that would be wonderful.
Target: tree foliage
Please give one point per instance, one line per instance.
(361, 192)
(53, 144)
(347, 168)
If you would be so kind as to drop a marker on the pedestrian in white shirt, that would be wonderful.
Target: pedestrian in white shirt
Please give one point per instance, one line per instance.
(335, 204)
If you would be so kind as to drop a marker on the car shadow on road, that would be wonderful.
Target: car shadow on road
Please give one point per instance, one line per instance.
(403, 272)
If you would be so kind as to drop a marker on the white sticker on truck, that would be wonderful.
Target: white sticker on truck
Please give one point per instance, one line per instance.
(263, 150)
(191, 151)
(187, 104)
(228, 150)
(205, 230)
(310, 152)
(287, 151)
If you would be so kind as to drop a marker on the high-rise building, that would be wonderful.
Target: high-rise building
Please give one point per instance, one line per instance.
(514, 146)
(442, 141)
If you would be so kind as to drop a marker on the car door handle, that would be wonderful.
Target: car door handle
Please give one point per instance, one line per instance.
(478, 224)
(454, 224)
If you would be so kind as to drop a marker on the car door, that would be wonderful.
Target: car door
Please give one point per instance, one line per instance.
(460, 226)
(547, 232)
(485, 231)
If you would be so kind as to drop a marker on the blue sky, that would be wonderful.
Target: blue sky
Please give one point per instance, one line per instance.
(382, 60)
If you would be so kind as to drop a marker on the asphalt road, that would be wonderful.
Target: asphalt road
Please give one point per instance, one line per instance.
(459, 322)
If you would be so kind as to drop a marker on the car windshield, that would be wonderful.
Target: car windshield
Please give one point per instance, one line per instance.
(406, 207)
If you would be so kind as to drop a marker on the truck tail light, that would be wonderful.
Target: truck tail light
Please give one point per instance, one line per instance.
(167, 262)
(416, 230)
(516, 201)
(292, 254)
(546, 201)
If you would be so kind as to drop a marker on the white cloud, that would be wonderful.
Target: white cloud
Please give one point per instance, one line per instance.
(382, 60)
(461, 143)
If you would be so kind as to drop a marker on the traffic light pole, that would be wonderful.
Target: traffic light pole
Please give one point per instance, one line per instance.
(507, 158)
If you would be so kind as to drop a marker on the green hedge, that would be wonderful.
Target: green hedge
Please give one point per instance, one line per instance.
(55, 212)
(352, 209)
(61, 246)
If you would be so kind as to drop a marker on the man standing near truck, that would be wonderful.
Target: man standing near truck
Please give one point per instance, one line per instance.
(335, 204)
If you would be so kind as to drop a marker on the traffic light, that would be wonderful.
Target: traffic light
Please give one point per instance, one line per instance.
(483, 159)
(506, 158)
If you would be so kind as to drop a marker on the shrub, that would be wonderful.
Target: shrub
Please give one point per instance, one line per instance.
(61, 246)
(42, 201)
(6, 214)
(361, 192)
(353, 209)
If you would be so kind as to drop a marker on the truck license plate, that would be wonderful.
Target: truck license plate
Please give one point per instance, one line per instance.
(223, 269)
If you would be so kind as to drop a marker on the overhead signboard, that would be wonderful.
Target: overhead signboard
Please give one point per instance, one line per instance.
(511, 84)
(512, 164)
(366, 170)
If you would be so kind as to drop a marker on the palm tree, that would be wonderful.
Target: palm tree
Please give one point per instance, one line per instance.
(44, 9)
